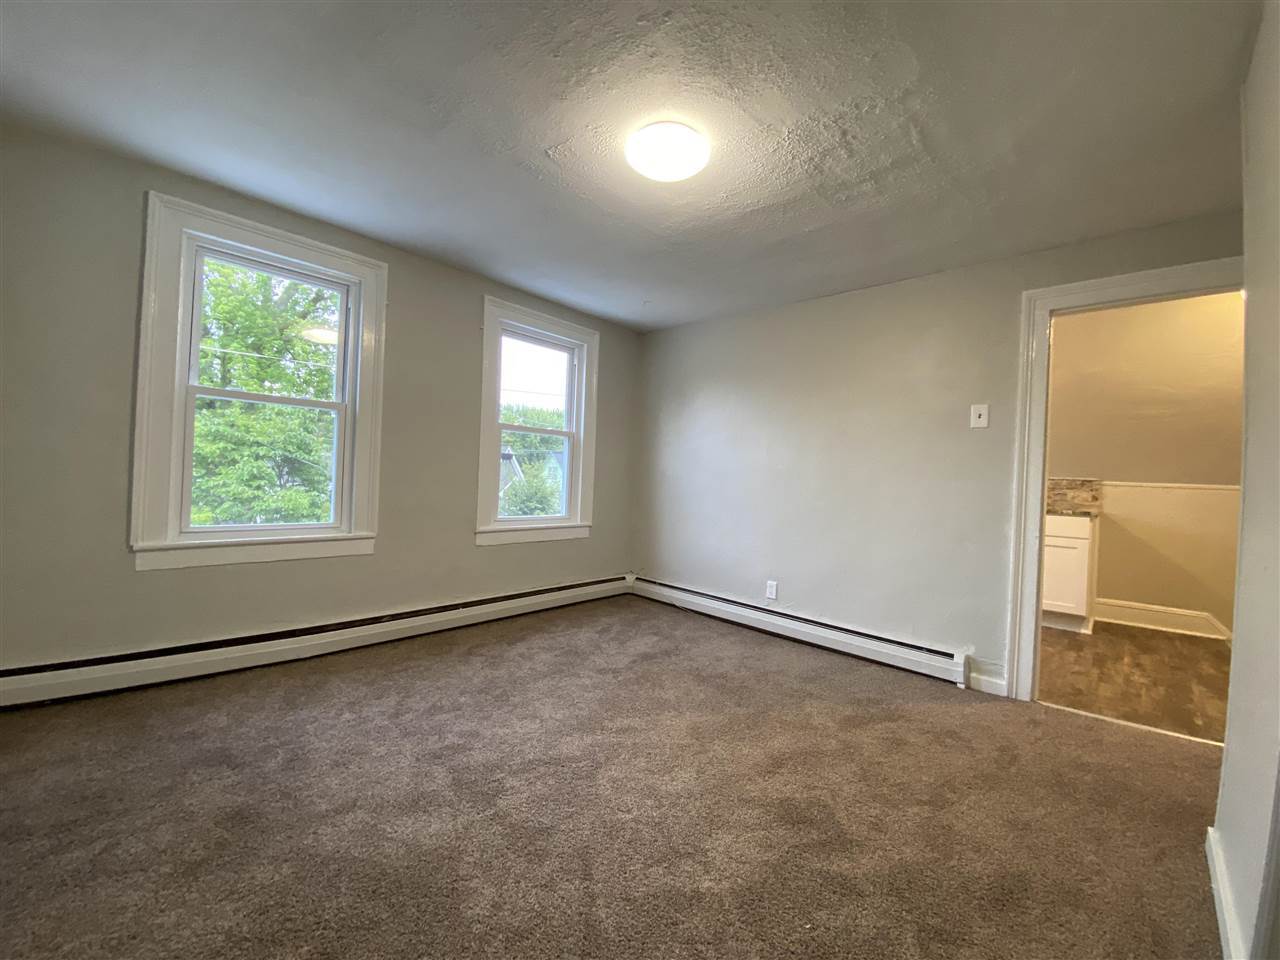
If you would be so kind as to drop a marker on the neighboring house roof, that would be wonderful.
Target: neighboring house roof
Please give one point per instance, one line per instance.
(508, 470)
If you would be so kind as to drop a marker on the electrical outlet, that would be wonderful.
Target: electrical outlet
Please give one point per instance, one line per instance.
(771, 589)
(978, 416)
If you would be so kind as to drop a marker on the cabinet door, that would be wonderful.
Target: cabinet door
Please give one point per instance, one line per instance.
(1066, 575)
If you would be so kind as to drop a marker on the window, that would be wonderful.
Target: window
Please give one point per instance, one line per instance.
(258, 393)
(538, 434)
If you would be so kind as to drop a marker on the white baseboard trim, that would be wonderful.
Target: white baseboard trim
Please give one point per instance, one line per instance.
(1196, 623)
(1066, 621)
(1229, 928)
(945, 664)
(42, 683)
(988, 683)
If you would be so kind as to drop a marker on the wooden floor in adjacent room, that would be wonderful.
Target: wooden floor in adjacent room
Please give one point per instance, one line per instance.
(1170, 681)
(617, 779)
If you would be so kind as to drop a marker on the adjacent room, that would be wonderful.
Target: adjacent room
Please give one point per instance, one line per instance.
(639, 480)
(1142, 509)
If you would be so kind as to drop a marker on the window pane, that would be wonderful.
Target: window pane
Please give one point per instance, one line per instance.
(535, 382)
(262, 463)
(532, 470)
(267, 333)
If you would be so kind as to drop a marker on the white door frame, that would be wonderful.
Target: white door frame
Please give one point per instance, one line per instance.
(1038, 307)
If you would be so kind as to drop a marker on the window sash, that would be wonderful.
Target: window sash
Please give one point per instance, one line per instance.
(188, 530)
(570, 464)
(343, 452)
(204, 251)
(537, 338)
(571, 434)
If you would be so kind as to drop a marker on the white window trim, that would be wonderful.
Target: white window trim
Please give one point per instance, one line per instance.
(501, 316)
(177, 231)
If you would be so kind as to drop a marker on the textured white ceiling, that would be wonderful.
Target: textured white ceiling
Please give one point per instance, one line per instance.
(852, 144)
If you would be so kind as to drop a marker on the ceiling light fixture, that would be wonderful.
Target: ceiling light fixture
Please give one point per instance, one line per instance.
(324, 335)
(667, 151)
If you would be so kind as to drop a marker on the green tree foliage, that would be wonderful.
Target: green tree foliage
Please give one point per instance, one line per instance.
(539, 490)
(258, 462)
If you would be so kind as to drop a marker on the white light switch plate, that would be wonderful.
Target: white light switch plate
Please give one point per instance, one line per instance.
(771, 589)
(978, 416)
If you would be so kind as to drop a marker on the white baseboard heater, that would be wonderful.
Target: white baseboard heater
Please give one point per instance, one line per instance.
(949, 665)
(51, 681)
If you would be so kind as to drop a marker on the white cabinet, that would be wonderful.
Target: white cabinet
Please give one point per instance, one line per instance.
(1067, 585)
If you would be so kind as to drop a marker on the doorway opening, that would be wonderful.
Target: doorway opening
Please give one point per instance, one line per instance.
(1130, 431)
(1142, 504)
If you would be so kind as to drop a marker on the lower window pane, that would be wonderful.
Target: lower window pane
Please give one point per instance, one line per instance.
(262, 463)
(532, 471)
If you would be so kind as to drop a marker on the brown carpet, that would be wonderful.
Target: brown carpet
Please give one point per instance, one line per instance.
(616, 779)
(1159, 679)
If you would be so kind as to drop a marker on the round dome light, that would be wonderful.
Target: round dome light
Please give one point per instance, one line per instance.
(667, 151)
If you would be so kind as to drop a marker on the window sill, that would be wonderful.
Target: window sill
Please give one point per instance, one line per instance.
(532, 533)
(170, 556)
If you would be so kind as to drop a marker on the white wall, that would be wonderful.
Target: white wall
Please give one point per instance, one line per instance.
(1246, 831)
(72, 240)
(826, 444)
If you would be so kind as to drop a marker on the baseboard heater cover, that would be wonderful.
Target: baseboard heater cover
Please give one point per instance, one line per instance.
(51, 681)
(949, 665)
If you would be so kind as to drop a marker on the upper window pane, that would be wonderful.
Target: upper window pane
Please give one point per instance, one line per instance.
(535, 384)
(266, 332)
